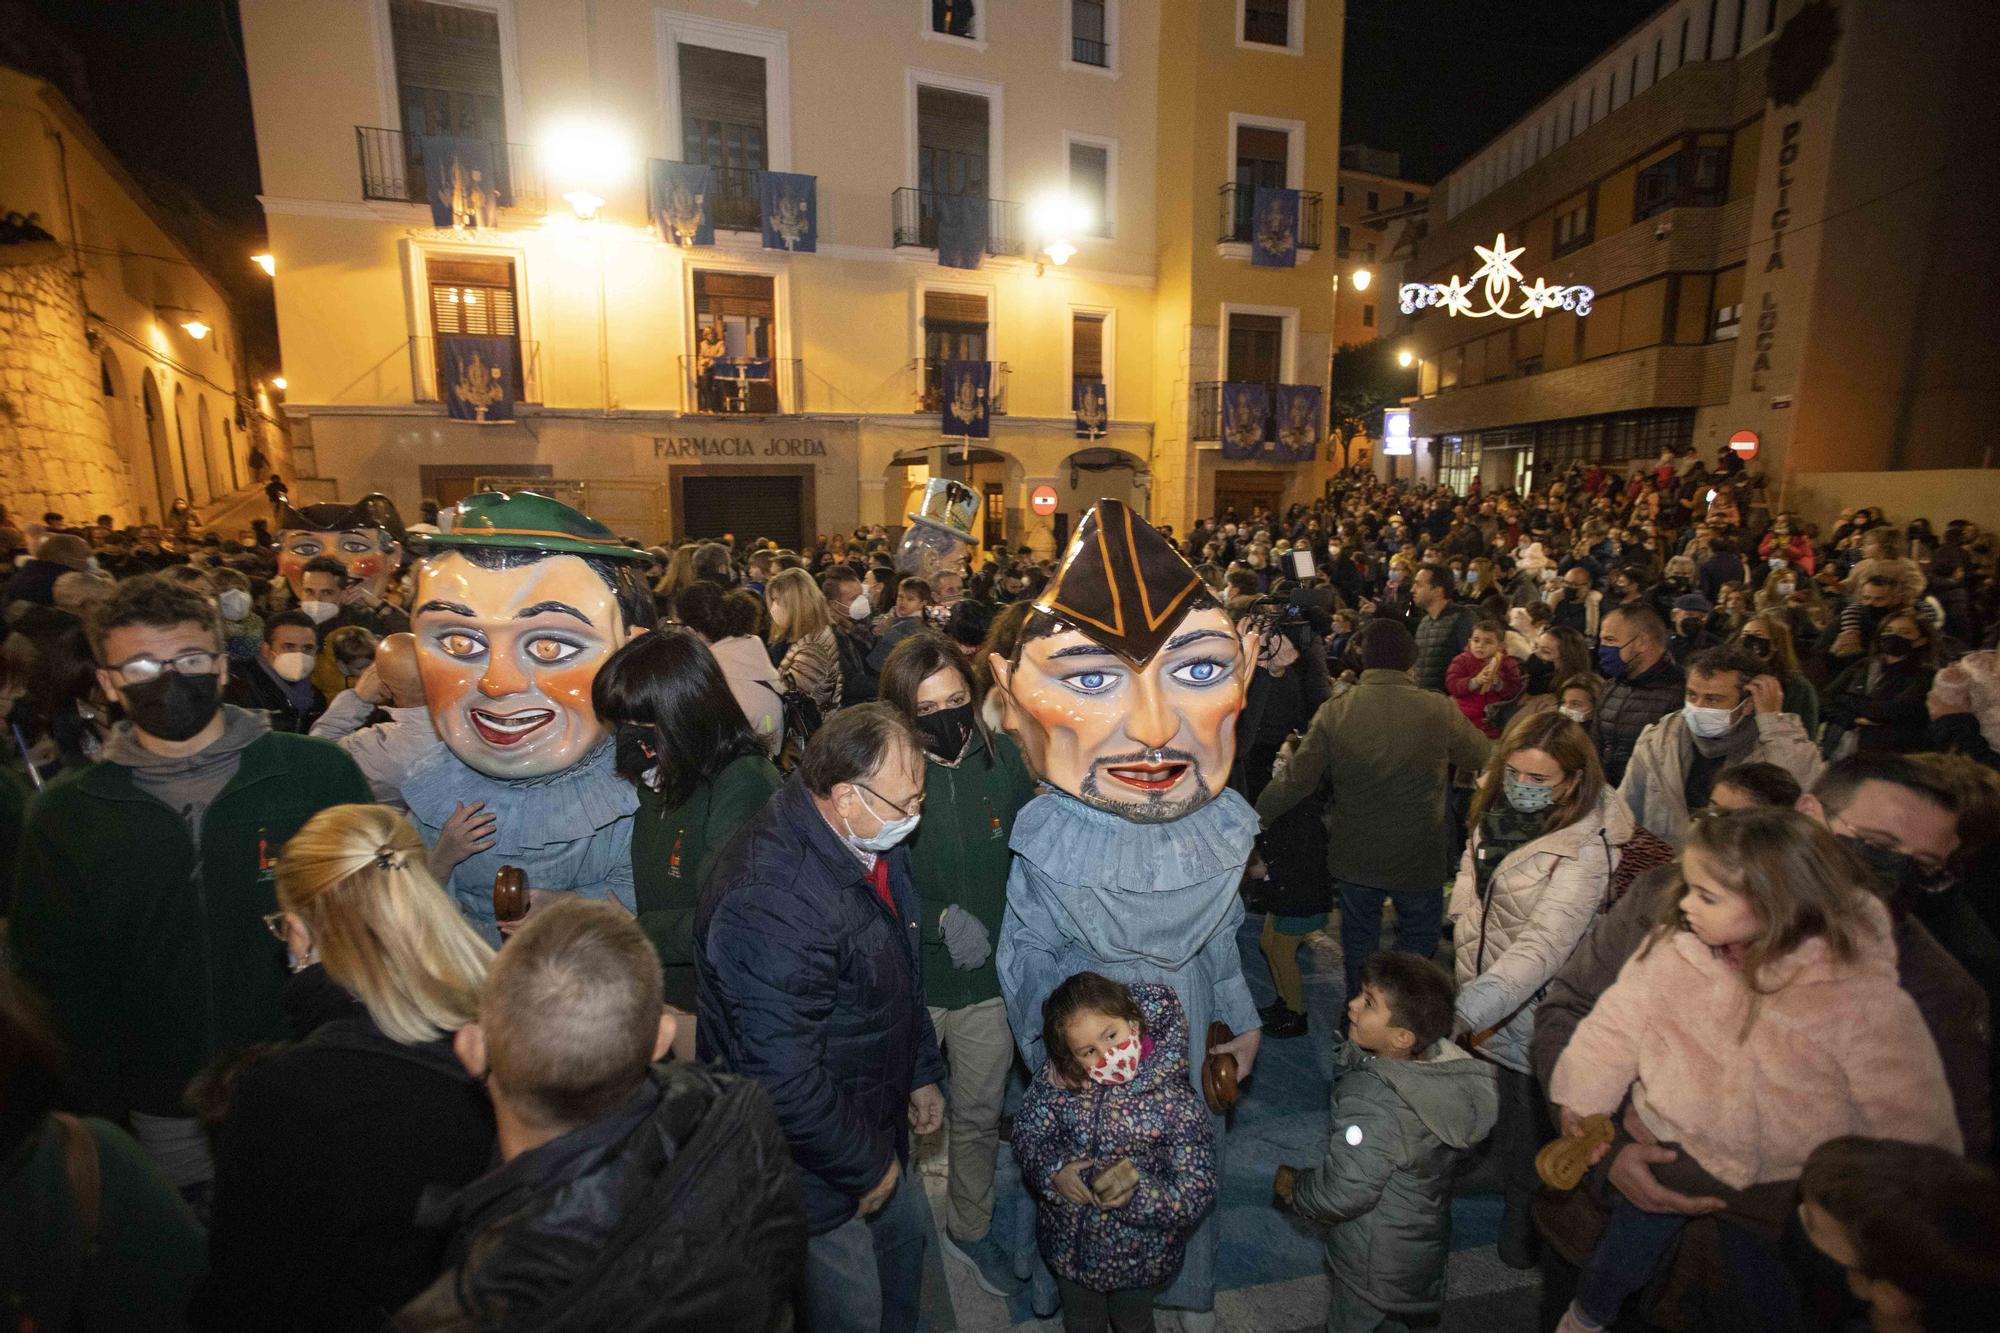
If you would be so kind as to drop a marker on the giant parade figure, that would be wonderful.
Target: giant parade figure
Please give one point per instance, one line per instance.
(1124, 692)
(515, 610)
(365, 540)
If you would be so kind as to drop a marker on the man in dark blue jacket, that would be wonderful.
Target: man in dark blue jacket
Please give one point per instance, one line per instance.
(810, 981)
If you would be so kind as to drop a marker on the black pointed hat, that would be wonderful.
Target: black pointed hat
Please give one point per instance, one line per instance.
(1121, 583)
(370, 511)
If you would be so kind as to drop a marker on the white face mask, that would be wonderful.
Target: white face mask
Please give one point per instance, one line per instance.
(1577, 715)
(321, 612)
(235, 603)
(860, 608)
(1786, 587)
(294, 667)
(893, 831)
(1709, 723)
(1118, 1065)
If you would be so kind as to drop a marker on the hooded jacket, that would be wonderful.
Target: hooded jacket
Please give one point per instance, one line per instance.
(1386, 1177)
(1656, 779)
(1159, 1122)
(1836, 1048)
(678, 1210)
(1513, 938)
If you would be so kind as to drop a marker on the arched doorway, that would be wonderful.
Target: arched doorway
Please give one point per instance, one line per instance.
(215, 466)
(194, 484)
(162, 469)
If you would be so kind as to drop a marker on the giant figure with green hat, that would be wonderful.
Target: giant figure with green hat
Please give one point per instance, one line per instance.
(516, 609)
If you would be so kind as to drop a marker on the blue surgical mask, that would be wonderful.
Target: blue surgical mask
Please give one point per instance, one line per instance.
(1530, 798)
(1610, 662)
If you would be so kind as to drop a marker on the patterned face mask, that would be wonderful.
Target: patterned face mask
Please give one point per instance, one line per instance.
(1118, 1065)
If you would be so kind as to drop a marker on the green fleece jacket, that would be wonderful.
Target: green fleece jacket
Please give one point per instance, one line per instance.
(959, 854)
(151, 950)
(671, 849)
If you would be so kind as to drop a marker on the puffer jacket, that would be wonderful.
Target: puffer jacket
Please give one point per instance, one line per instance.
(1386, 1177)
(1837, 1048)
(1157, 1120)
(807, 983)
(1630, 706)
(1512, 939)
(1656, 779)
(678, 1210)
(1439, 639)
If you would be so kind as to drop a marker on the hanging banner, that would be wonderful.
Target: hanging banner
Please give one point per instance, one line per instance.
(1298, 419)
(791, 210)
(461, 182)
(1089, 402)
(680, 201)
(961, 230)
(1274, 228)
(1246, 412)
(965, 399)
(478, 374)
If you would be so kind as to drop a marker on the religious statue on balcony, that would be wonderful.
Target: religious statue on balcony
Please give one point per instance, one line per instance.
(1123, 693)
(517, 607)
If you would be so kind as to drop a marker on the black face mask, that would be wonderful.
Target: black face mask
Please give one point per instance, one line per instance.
(173, 707)
(632, 752)
(1541, 674)
(1896, 873)
(946, 731)
(1757, 646)
(1894, 645)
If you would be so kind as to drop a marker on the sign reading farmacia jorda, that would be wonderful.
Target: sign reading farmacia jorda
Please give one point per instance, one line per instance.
(1494, 281)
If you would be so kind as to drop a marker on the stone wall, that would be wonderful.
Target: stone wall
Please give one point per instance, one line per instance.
(56, 445)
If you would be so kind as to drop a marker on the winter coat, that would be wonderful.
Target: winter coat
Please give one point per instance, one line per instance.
(1836, 1048)
(150, 949)
(756, 685)
(1479, 705)
(959, 856)
(253, 686)
(812, 667)
(1385, 821)
(808, 985)
(1583, 614)
(1158, 1121)
(671, 851)
(1656, 779)
(1440, 638)
(1891, 698)
(326, 1150)
(1628, 707)
(853, 641)
(678, 1210)
(1397, 1129)
(1511, 939)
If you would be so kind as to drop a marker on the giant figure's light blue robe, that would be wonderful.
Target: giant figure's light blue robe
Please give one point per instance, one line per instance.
(1093, 892)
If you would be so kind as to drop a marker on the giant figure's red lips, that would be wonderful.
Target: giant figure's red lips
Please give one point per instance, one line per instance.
(505, 729)
(1148, 777)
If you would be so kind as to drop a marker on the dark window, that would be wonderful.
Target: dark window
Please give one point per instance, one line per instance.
(1409, 197)
(1268, 22)
(1086, 347)
(1573, 225)
(951, 142)
(1340, 240)
(1658, 188)
(1374, 201)
(953, 18)
(104, 385)
(1090, 183)
(735, 322)
(1340, 194)
(723, 125)
(1261, 158)
(1256, 348)
(1368, 316)
(955, 326)
(474, 297)
(1089, 38)
(447, 70)
(1695, 177)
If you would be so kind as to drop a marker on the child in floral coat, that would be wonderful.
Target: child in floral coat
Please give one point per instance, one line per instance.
(1115, 1089)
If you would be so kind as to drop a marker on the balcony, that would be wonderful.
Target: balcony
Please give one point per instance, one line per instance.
(427, 374)
(916, 220)
(1205, 411)
(1084, 51)
(1239, 202)
(392, 168)
(930, 386)
(744, 386)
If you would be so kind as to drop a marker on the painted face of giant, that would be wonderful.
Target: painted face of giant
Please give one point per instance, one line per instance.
(370, 556)
(1150, 744)
(507, 658)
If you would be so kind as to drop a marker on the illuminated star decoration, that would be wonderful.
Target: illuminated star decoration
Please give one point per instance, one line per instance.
(1498, 274)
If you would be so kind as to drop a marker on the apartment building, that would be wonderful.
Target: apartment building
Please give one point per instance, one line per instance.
(1764, 197)
(731, 262)
(1374, 206)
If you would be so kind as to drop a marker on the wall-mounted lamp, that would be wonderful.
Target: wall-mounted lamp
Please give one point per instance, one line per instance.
(589, 159)
(278, 383)
(1053, 220)
(584, 204)
(1406, 358)
(189, 320)
(267, 262)
(1362, 277)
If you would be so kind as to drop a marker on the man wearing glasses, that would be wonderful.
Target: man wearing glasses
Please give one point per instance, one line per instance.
(142, 879)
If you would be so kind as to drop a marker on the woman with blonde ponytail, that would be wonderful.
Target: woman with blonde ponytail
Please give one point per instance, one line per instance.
(326, 1147)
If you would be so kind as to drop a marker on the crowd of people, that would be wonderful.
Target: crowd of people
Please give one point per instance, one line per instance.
(1699, 803)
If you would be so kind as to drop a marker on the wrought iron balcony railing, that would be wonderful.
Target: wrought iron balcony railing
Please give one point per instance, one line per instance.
(930, 386)
(744, 386)
(1205, 411)
(1239, 203)
(392, 168)
(916, 219)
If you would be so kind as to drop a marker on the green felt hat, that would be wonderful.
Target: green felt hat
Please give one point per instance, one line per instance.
(523, 521)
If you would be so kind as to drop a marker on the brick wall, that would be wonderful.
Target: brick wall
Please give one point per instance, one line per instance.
(54, 435)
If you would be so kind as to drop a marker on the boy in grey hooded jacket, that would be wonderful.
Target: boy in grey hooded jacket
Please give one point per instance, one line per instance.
(1405, 1101)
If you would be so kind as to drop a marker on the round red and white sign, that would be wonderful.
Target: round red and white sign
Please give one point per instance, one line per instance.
(1744, 444)
(1043, 500)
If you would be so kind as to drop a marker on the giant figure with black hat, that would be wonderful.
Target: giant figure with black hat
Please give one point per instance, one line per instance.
(516, 609)
(1124, 693)
(365, 538)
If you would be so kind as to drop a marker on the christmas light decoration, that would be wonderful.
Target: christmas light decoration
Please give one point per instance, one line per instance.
(1495, 279)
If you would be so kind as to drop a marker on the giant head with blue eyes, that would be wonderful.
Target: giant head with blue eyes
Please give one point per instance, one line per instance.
(1126, 685)
(516, 609)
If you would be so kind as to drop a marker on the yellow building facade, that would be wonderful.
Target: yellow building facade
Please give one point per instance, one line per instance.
(693, 389)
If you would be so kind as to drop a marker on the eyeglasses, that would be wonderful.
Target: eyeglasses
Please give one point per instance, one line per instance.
(916, 801)
(275, 923)
(139, 670)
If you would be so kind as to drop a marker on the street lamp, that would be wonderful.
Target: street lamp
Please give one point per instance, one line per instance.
(1362, 277)
(189, 320)
(1056, 219)
(278, 383)
(267, 262)
(588, 158)
(1406, 358)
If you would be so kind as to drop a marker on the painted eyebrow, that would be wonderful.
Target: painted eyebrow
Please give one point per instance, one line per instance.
(560, 608)
(1083, 650)
(454, 607)
(1195, 636)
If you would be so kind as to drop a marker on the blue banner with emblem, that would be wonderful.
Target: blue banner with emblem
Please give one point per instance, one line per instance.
(961, 230)
(680, 201)
(462, 182)
(966, 399)
(791, 211)
(1246, 412)
(480, 376)
(1298, 422)
(1274, 228)
(1091, 405)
